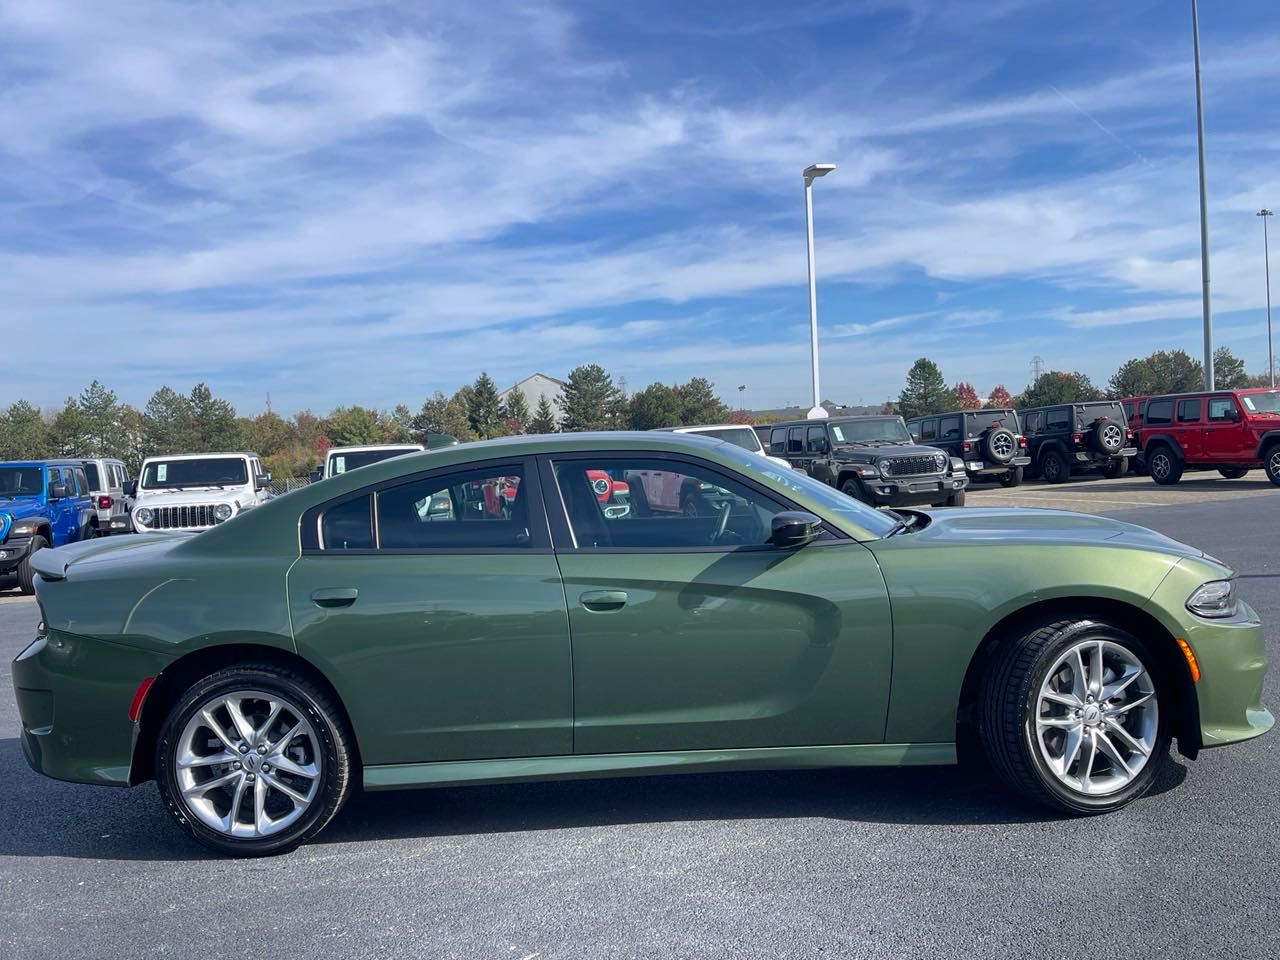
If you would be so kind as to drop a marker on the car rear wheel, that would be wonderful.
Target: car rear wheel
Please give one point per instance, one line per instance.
(1054, 467)
(254, 759)
(1070, 716)
(27, 576)
(1012, 478)
(1116, 468)
(1165, 468)
(1271, 463)
(1233, 473)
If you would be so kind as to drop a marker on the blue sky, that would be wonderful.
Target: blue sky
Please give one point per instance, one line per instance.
(352, 202)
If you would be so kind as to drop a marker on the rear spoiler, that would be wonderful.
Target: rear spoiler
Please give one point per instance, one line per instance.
(50, 564)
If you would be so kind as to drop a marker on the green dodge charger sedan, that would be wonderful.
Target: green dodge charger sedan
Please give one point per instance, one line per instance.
(495, 612)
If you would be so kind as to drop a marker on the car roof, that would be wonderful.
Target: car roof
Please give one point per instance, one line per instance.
(957, 413)
(59, 462)
(703, 426)
(203, 456)
(1023, 411)
(818, 421)
(376, 446)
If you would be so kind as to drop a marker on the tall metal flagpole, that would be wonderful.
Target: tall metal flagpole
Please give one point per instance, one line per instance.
(1264, 213)
(1204, 209)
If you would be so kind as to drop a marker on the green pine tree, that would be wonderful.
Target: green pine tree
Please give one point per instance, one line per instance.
(515, 412)
(926, 391)
(591, 400)
(484, 409)
(544, 417)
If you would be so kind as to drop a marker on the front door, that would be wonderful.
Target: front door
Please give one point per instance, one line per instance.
(1227, 440)
(62, 512)
(443, 624)
(690, 632)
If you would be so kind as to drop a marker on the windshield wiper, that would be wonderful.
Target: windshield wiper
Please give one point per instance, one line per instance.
(902, 526)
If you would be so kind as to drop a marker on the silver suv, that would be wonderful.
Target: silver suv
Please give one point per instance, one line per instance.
(107, 478)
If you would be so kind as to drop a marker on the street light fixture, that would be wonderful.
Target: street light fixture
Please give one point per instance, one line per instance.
(812, 173)
(1266, 261)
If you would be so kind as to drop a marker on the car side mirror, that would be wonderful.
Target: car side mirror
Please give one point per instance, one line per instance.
(316, 475)
(131, 488)
(261, 480)
(1233, 414)
(794, 528)
(58, 491)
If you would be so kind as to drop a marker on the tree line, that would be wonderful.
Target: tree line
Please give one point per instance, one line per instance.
(97, 424)
(1165, 371)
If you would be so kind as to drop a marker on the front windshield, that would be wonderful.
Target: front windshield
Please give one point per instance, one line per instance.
(342, 462)
(743, 437)
(1268, 402)
(21, 482)
(829, 500)
(209, 472)
(870, 431)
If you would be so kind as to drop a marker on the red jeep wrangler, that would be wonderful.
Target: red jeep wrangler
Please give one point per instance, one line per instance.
(1230, 431)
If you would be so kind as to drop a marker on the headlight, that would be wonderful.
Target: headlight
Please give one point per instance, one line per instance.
(1215, 600)
(25, 528)
(143, 516)
(942, 461)
(222, 512)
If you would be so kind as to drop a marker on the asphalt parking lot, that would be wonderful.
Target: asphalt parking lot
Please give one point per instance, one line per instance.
(861, 863)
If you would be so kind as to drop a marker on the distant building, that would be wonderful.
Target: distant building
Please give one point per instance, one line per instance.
(799, 413)
(536, 386)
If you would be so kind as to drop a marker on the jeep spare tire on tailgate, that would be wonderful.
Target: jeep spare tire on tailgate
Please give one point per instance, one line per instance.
(1107, 436)
(1000, 444)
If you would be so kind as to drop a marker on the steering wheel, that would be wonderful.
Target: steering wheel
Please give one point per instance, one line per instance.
(723, 524)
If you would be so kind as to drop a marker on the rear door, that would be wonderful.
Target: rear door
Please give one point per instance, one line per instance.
(689, 632)
(433, 603)
(1188, 427)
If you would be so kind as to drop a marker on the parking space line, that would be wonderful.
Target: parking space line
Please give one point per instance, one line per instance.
(1132, 503)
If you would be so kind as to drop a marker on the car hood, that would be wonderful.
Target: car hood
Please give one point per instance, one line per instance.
(195, 495)
(909, 450)
(20, 509)
(1024, 526)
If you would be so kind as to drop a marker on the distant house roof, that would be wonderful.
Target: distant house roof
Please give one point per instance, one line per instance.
(535, 387)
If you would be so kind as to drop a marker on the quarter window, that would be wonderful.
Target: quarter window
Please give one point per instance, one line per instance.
(1189, 411)
(661, 504)
(1159, 411)
(1220, 408)
(478, 509)
(348, 526)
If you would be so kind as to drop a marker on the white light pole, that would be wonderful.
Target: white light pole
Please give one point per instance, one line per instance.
(1266, 261)
(1204, 211)
(811, 173)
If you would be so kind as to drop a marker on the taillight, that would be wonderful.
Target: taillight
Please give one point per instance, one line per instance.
(1077, 437)
(1022, 442)
(1130, 434)
(104, 503)
(967, 446)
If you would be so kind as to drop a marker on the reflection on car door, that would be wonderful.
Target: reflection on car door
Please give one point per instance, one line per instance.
(690, 633)
(445, 635)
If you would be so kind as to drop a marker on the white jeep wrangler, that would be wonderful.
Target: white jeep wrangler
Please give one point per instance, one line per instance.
(195, 491)
(342, 459)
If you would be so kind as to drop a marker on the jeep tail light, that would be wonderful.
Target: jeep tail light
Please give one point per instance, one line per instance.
(1022, 442)
(1129, 434)
(1077, 437)
(104, 503)
(967, 446)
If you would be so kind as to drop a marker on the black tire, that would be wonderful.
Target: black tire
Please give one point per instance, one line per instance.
(27, 576)
(1138, 466)
(1009, 701)
(852, 488)
(1164, 465)
(1054, 467)
(335, 746)
(1000, 445)
(1233, 473)
(1107, 436)
(1115, 469)
(1271, 463)
(689, 506)
(956, 499)
(1013, 478)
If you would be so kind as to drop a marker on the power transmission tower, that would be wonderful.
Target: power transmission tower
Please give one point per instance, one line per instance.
(1037, 368)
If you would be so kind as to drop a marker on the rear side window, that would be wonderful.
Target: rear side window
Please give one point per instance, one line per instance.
(1159, 411)
(1189, 411)
(348, 526)
(82, 482)
(477, 510)
(1031, 423)
(929, 430)
(1220, 408)
(1057, 420)
(949, 428)
(795, 440)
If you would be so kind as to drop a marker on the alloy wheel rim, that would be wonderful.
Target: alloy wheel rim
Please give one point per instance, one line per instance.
(1160, 465)
(1275, 464)
(248, 764)
(1002, 444)
(1051, 467)
(1096, 718)
(1111, 437)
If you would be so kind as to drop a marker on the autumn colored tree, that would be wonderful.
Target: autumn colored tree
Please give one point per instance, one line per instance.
(999, 397)
(966, 397)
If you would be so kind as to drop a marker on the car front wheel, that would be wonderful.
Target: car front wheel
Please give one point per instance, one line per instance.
(27, 576)
(1271, 463)
(254, 759)
(1071, 716)
(852, 488)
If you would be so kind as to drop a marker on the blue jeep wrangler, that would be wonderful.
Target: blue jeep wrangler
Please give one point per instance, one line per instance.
(43, 503)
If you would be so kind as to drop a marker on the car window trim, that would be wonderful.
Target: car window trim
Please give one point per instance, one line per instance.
(562, 538)
(539, 534)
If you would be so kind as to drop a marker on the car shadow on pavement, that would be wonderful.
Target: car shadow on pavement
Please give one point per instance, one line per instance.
(40, 817)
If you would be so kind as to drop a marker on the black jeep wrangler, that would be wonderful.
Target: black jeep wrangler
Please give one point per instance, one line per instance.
(1078, 437)
(990, 442)
(872, 459)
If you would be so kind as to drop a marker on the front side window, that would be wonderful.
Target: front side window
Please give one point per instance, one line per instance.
(203, 472)
(816, 439)
(671, 505)
(778, 441)
(1159, 411)
(482, 509)
(1220, 408)
(1189, 411)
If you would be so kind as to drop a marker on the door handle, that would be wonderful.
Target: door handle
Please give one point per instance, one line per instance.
(334, 596)
(603, 601)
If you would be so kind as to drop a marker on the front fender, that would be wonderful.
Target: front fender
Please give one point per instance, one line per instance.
(1268, 438)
